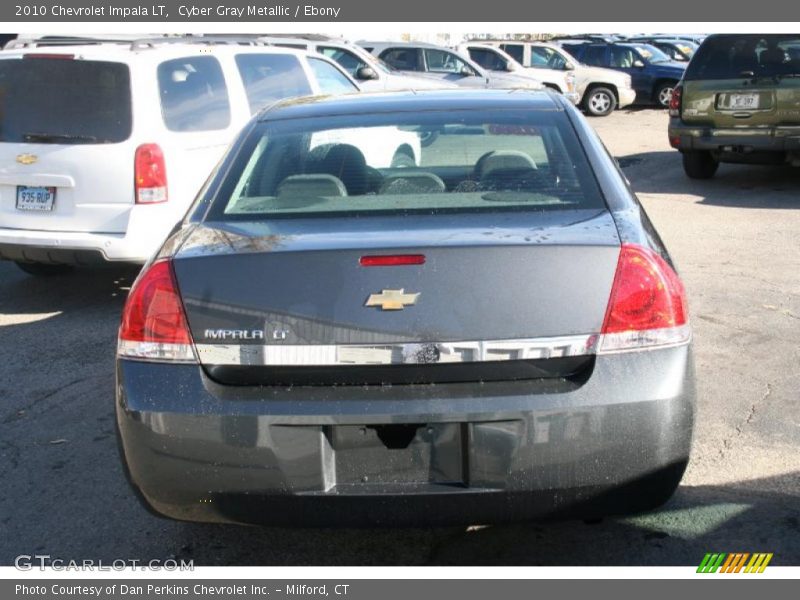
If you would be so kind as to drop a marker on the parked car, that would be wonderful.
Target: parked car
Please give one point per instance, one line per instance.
(102, 170)
(653, 74)
(738, 103)
(442, 64)
(496, 334)
(677, 49)
(696, 38)
(371, 73)
(599, 90)
(493, 58)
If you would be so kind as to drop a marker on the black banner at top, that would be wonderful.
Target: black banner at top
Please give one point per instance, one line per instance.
(446, 11)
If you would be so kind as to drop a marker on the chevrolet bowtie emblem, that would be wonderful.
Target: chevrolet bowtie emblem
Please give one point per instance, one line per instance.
(392, 299)
(27, 159)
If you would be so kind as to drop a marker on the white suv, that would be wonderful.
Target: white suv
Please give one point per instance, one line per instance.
(104, 144)
(492, 58)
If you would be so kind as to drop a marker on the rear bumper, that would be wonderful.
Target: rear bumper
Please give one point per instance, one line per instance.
(196, 450)
(148, 226)
(627, 96)
(685, 137)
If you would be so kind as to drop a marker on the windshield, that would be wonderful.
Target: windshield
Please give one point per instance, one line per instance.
(64, 101)
(651, 53)
(731, 57)
(402, 163)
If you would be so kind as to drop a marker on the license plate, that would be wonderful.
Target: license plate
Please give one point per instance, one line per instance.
(743, 101)
(35, 198)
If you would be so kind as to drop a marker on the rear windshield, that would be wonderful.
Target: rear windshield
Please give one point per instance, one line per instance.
(64, 101)
(734, 56)
(404, 162)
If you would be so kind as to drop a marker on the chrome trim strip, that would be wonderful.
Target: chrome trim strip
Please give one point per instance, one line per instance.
(397, 354)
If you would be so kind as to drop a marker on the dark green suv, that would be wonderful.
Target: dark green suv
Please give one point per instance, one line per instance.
(738, 102)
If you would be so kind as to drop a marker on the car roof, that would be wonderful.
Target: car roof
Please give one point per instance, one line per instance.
(132, 50)
(411, 101)
(401, 45)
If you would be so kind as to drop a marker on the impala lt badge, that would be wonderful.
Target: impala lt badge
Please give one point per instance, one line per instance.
(392, 299)
(234, 334)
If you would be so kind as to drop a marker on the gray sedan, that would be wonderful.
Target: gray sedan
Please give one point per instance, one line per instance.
(495, 332)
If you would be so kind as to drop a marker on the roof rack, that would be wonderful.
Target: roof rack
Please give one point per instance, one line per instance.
(588, 37)
(309, 37)
(136, 43)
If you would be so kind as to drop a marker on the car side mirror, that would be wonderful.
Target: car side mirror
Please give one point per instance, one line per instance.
(569, 66)
(638, 64)
(366, 73)
(466, 71)
(510, 67)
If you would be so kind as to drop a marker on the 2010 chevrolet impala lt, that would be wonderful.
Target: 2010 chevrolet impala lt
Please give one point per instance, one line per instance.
(490, 329)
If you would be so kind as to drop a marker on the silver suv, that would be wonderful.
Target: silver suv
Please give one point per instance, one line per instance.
(493, 58)
(445, 65)
(599, 90)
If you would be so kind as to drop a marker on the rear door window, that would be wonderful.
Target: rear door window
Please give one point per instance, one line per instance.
(194, 96)
(64, 101)
(516, 51)
(403, 59)
(330, 79)
(595, 56)
(271, 77)
(487, 59)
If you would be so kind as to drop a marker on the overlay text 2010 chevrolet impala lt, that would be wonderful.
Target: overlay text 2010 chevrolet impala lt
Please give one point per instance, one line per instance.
(494, 333)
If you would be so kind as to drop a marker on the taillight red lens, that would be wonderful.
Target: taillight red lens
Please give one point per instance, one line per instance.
(675, 101)
(150, 174)
(647, 293)
(51, 56)
(154, 312)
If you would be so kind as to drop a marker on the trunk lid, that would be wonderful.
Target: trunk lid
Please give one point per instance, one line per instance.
(277, 285)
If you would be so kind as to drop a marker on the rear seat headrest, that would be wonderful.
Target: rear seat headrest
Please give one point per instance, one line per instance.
(313, 185)
(502, 160)
(412, 183)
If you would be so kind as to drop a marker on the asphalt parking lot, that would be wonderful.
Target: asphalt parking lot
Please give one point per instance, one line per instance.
(736, 240)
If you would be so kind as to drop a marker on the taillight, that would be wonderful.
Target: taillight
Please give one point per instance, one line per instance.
(154, 325)
(647, 305)
(391, 260)
(52, 56)
(149, 175)
(675, 101)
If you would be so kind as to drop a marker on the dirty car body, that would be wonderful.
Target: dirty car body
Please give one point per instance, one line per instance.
(494, 334)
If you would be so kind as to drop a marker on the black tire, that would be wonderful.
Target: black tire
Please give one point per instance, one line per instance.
(599, 102)
(426, 138)
(699, 164)
(403, 157)
(663, 93)
(43, 269)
